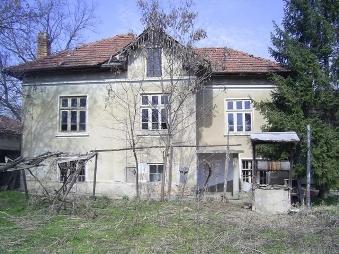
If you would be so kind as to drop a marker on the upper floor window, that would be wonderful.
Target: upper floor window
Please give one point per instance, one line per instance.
(154, 111)
(154, 62)
(73, 113)
(239, 115)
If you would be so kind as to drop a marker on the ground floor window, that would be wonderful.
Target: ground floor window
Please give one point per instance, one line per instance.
(68, 168)
(246, 171)
(155, 172)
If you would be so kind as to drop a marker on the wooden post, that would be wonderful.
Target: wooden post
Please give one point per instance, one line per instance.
(227, 160)
(23, 174)
(95, 174)
(308, 168)
(254, 176)
(254, 168)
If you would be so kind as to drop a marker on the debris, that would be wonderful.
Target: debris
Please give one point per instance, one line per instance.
(293, 210)
(187, 209)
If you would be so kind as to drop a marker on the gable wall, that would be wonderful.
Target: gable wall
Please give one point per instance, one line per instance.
(41, 125)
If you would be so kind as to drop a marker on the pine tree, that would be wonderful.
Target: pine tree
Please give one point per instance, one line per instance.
(307, 45)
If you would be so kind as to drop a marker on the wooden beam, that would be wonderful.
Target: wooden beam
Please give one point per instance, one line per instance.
(254, 172)
(95, 174)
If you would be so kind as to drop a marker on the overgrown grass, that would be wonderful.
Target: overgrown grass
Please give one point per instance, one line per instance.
(127, 226)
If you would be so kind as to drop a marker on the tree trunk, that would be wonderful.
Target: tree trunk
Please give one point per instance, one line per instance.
(162, 194)
(136, 174)
(170, 167)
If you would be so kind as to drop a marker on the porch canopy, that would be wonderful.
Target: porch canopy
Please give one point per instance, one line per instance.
(274, 137)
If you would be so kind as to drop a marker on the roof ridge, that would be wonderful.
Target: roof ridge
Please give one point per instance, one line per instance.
(105, 39)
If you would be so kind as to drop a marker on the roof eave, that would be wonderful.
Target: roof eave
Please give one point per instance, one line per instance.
(20, 74)
(247, 74)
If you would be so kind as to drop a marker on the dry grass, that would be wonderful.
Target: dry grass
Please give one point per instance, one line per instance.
(122, 226)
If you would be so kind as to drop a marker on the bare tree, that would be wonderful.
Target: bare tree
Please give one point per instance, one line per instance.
(181, 61)
(20, 21)
(122, 101)
(10, 91)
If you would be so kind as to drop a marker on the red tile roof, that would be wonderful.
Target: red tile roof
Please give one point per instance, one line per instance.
(91, 54)
(9, 126)
(223, 60)
(226, 60)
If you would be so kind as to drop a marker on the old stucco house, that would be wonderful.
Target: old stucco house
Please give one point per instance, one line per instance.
(68, 108)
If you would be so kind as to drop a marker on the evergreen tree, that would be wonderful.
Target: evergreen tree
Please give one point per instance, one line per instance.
(307, 45)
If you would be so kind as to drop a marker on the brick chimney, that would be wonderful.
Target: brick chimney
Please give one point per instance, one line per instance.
(44, 46)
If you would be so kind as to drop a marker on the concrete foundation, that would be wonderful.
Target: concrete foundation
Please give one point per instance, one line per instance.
(272, 201)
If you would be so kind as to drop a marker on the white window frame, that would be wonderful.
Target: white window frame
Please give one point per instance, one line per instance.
(249, 170)
(59, 118)
(261, 175)
(150, 107)
(234, 111)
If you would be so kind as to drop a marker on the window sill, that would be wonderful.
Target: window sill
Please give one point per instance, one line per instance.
(68, 134)
(152, 133)
(238, 134)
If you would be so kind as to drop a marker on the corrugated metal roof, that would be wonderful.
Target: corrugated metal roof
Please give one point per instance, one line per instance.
(274, 137)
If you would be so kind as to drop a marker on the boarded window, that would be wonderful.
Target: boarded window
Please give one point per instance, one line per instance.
(154, 62)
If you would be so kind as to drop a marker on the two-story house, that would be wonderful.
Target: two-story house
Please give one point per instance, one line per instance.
(103, 95)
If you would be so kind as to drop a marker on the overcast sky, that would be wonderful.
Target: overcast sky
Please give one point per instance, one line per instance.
(239, 24)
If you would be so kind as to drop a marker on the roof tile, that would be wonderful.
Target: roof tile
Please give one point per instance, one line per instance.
(223, 60)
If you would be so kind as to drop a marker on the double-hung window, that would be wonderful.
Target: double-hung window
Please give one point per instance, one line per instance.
(154, 62)
(155, 172)
(154, 111)
(239, 116)
(73, 113)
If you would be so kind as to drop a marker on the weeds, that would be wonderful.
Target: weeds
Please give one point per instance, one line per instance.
(130, 226)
